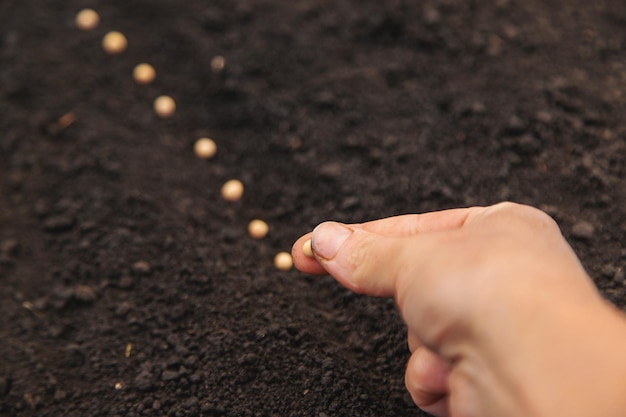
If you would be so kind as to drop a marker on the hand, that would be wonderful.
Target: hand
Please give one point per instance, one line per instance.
(502, 318)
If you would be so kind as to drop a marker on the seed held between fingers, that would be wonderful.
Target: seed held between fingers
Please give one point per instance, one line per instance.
(307, 249)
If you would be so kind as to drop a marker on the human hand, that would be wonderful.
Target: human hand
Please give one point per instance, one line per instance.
(502, 318)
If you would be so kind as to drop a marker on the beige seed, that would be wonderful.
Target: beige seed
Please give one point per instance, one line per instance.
(217, 64)
(114, 43)
(283, 261)
(232, 190)
(144, 73)
(87, 19)
(164, 106)
(205, 148)
(258, 229)
(307, 249)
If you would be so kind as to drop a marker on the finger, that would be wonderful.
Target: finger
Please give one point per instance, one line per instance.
(303, 262)
(426, 379)
(362, 261)
(413, 224)
(413, 341)
(397, 226)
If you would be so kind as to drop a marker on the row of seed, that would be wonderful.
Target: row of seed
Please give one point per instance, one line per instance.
(115, 43)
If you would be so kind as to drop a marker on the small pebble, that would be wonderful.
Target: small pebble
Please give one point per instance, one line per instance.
(60, 395)
(87, 19)
(205, 148)
(144, 381)
(583, 230)
(59, 223)
(608, 271)
(5, 385)
(9, 247)
(283, 261)
(66, 120)
(141, 268)
(144, 73)
(232, 190)
(307, 249)
(114, 43)
(164, 106)
(218, 63)
(258, 229)
(169, 375)
(125, 282)
(84, 294)
(74, 355)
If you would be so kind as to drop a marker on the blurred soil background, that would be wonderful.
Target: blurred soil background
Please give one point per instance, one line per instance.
(130, 288)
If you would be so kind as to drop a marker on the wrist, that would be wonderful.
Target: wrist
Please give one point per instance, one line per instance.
(575, 365)
(613, 359)
(599, 368)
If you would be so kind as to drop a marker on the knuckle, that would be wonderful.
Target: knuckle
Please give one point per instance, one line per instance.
(531, 215)
(362, 260)
(374, 264)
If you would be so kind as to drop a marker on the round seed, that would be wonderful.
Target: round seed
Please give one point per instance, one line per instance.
(307, 249)
(205, 148)
(232, 190)
(114, 43)
(283, 261)
(258, 229)
(87, 19)
(164, 106)
(144, 73)
(218, 63)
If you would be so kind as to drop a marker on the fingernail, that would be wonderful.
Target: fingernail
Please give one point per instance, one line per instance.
(328, 237)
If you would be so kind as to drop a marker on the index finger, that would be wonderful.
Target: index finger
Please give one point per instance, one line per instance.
(412, 224)
(397, 226)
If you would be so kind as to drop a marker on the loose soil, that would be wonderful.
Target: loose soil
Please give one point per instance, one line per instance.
(130, 288)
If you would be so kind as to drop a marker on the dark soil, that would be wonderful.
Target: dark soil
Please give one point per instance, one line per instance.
(113, 232)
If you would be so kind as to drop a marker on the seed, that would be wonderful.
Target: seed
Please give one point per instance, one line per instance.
(217, 64)
(283, 261)
(87, 19)
(164, 106)
(66, 120)
(232, 190)
(114, 43)
(205, 148)
(144, 73)
(258, 229)
(307, 249)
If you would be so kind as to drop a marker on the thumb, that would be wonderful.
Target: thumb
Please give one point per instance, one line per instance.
(364, 262)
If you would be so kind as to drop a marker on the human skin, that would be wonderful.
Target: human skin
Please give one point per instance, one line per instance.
(502, 318)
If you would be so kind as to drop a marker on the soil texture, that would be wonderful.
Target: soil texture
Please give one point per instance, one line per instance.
(129, 287)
